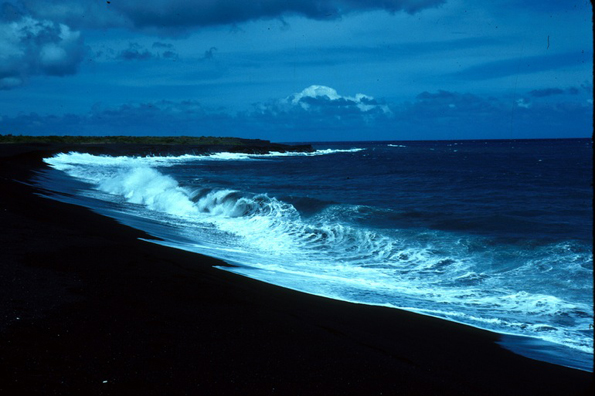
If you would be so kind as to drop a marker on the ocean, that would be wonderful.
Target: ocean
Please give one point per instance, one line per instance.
(493, 234)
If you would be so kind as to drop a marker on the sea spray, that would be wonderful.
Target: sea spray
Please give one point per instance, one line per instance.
(146, 186)
(367, 226)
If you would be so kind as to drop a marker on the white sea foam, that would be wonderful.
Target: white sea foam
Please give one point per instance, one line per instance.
(66, 161)
(243, 156)
(431, 272)
(69, 161)
(147, 186)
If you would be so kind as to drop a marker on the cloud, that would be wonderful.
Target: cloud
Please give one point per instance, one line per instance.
(322, 100)
(523, 103)
(42, 37)
(210, 53)
(320, 113)
(30, 46)
(573, 91)
(136, 52)
(78, 13)
(444, 109)
(158, 44)
(10, 12)
(161, 118)
(438, 96)
(314, 108)
(170, 55)
(544, 6)
(443, 106)
(542, 93)
(176, 14)
(167, 48)
(145, 114)
(524, 65)
(453, 115)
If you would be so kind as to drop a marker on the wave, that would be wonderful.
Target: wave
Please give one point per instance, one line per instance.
(147, 186)
(66, 161)
(331, 252)
(225, 156)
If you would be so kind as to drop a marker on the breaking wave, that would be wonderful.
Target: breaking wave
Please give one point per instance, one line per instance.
(433, 272)
(67, 161)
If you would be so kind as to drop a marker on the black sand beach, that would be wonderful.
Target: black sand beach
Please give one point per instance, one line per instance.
(87, 307)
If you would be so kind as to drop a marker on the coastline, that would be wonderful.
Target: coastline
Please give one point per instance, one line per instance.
(94, 303)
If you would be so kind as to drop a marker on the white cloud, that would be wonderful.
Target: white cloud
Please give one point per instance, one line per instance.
(521, 103)
(30, 46)
(320, 95)
(315, 91)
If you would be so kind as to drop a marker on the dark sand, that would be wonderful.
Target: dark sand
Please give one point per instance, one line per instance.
(87, 307)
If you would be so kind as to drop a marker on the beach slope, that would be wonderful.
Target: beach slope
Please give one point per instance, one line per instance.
(88, 307)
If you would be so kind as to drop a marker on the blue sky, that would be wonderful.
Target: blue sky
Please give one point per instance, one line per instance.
(298, 70)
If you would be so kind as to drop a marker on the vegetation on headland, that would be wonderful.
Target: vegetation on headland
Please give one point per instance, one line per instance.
(166, 140)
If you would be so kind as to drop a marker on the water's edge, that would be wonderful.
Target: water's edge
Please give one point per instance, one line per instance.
(527, 346)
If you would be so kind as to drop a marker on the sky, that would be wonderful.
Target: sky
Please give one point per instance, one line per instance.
(298, 70)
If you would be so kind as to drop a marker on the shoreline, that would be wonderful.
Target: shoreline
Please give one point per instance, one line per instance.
(94, 303)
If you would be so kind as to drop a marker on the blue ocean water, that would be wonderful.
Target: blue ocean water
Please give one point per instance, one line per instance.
(493, 234)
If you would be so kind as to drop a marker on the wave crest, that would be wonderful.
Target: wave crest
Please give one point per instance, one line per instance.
(147, 186)
(330, 251)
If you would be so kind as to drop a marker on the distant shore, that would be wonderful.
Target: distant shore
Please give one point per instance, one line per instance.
(89, 308)
(147, 145)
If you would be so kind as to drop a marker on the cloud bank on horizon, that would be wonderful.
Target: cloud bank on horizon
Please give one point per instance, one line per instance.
(319, 113)
(297, 70)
